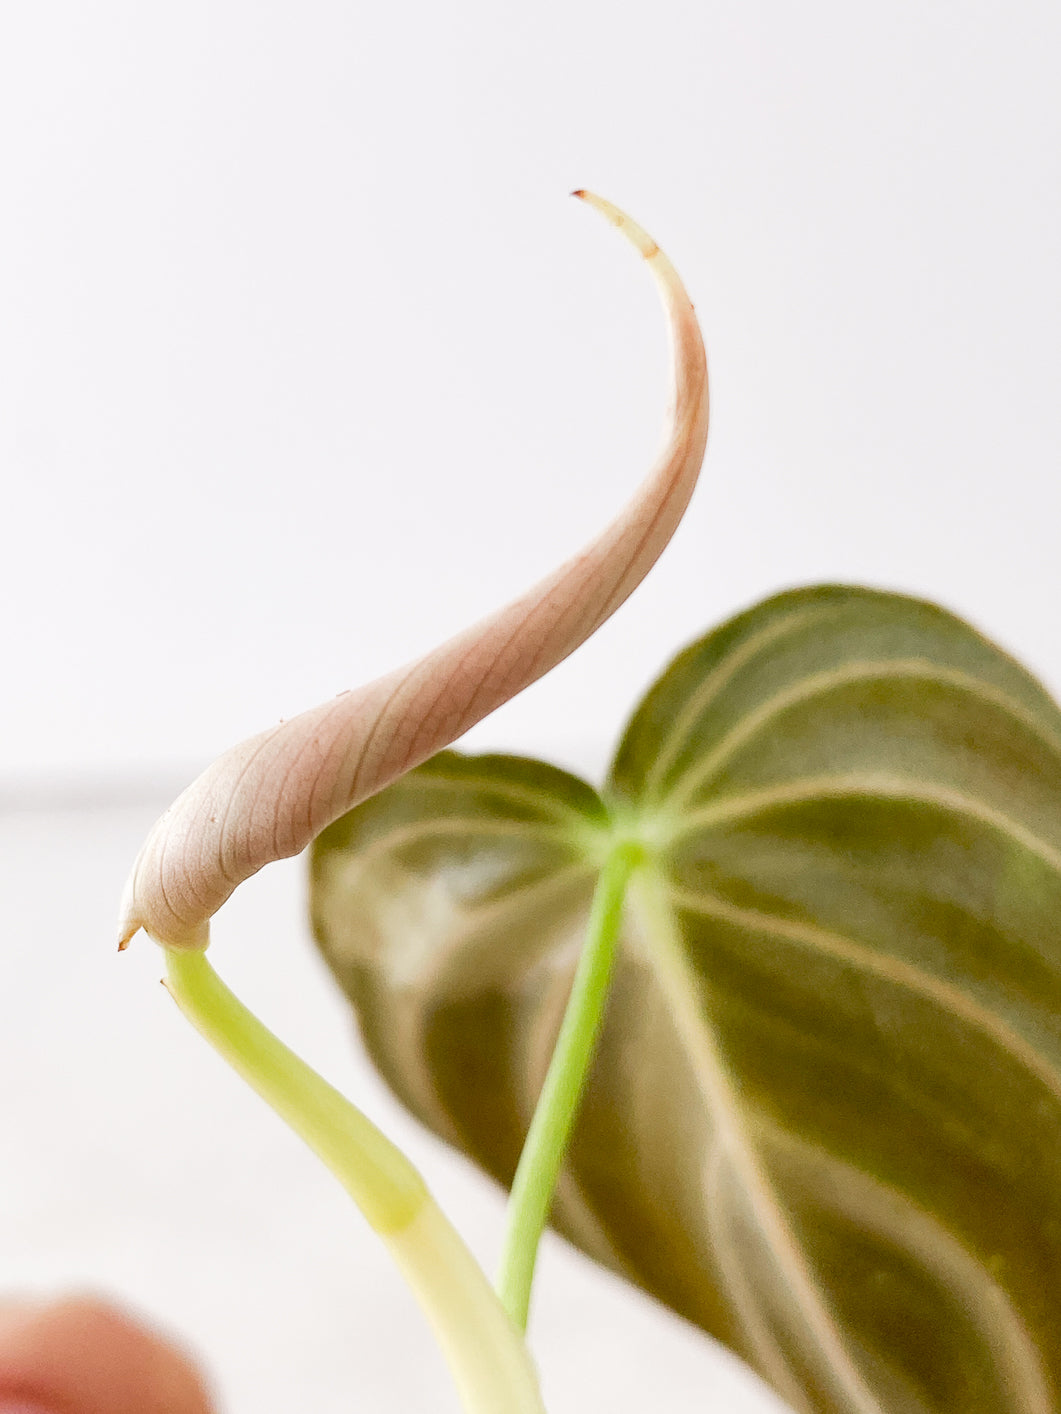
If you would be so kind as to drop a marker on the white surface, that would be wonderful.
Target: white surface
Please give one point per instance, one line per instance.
(133, 1162)
(305, 362)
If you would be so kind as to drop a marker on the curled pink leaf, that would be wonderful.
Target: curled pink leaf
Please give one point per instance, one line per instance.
(267, 798)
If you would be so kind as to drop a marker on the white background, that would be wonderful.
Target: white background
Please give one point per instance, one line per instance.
(305, 362)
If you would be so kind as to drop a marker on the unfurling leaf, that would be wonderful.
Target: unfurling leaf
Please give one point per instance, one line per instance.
(266, 798)
(824, 1119)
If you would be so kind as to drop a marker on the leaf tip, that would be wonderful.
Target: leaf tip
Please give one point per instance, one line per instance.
(630, 229)
(268, 797)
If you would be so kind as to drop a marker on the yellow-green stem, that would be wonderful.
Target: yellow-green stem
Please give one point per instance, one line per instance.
(543, 1152)
(486, 1353)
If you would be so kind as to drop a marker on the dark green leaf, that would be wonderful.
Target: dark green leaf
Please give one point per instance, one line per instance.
(824, 1117)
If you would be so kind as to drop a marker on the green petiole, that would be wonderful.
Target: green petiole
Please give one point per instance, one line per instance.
(485, 1351)
(479, 1334)
(554, 1116)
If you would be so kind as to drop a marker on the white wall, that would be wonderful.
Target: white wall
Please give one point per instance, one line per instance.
(306, 361)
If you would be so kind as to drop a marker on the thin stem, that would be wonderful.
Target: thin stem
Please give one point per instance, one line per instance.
(487, 1356)
(543, 1152)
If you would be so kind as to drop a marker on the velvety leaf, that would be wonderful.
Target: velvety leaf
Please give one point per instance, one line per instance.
(823, 1119)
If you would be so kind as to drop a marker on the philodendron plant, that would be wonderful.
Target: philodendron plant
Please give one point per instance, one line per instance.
(768, 1024)
(267, 798)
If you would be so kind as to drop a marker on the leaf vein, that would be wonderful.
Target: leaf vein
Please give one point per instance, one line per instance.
(891, 969)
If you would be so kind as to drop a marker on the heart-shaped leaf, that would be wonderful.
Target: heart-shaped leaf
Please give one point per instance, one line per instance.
(823, 1119)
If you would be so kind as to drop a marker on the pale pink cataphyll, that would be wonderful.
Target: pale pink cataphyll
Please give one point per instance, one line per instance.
(270, 796)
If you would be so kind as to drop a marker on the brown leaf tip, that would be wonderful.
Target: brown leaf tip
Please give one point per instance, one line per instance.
(129, 929)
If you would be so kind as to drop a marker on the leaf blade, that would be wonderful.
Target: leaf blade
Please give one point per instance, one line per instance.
(823, 1118)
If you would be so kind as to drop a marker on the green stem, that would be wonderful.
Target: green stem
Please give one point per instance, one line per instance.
(486, 1353)
(543, 1152)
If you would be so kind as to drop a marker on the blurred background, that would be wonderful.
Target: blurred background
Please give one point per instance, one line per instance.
(307, 361)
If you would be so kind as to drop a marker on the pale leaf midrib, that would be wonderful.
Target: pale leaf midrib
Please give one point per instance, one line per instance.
(737, 809)
(808, 1311)
(818, 685)
(744, 1298)
(713, 684)
(483, 920)
(419, 831)
(892, 969)
(479, 919)
(876, 1206)
(404, 1040)
(543, 800)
